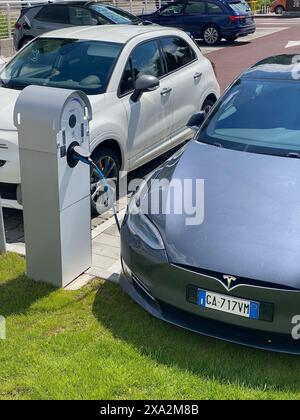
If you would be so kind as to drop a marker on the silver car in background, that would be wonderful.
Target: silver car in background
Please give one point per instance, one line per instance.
(37, 20)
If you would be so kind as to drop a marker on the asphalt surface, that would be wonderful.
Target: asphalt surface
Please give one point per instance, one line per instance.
(272, 37)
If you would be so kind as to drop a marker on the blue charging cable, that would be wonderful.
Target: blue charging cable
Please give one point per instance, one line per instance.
(89, 161)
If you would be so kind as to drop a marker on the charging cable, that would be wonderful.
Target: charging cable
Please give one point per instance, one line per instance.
(76, 153)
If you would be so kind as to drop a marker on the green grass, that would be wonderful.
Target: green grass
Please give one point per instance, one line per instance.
(96, 343)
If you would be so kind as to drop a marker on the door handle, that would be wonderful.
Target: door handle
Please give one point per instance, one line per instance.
(165, 91)
(197, 76)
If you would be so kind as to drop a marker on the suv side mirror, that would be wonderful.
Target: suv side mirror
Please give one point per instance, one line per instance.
(196, 120)
(144, 83)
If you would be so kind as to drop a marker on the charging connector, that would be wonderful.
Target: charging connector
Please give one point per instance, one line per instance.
(76, 154)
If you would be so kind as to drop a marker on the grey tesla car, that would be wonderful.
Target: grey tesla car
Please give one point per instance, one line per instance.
(235, 274)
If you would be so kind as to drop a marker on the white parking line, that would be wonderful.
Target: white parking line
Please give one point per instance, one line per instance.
(292, 44)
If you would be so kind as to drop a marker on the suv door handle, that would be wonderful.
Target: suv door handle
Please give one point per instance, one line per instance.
(197, 76)
(165, 91)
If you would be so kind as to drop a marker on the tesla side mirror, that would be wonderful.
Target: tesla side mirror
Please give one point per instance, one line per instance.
(144, 83)
(196, 120)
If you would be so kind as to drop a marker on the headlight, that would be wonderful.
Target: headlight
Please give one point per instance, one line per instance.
(139, 224)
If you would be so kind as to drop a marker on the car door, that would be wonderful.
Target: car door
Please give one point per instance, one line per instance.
(150, 118)
(185, 70)
(194, 17)
(50, 18)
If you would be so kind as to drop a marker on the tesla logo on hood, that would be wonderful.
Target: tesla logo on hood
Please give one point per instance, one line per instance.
(229, 280)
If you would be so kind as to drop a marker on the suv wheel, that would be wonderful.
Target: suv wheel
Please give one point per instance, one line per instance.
(107, 160)
(211, 35)
(279, 10)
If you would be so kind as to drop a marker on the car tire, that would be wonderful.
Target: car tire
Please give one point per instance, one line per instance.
(25, 41)
(211, 35)
(109, 163)
(279, 10)
(207, 105)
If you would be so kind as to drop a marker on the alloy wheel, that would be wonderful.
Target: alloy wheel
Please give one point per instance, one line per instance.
(211, 35)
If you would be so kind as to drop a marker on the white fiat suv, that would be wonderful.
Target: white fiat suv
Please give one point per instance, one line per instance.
(144, 83)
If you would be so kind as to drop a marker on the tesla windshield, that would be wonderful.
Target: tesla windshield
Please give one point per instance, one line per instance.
(261, 116)
(64, 63)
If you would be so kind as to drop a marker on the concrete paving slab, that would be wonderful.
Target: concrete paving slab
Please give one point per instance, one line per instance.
(105, 239)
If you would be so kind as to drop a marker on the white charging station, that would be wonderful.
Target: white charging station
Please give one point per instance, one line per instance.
(55, 196)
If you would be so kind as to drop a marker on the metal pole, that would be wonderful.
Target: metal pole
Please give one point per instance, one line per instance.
(2, 232)
(8, 20)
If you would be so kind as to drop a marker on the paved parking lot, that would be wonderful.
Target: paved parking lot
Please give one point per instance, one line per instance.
(273, 36)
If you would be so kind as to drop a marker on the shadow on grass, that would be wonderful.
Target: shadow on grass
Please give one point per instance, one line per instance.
(17, 295)
(196, 354)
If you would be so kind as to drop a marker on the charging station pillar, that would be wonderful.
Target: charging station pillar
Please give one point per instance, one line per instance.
(55, 196)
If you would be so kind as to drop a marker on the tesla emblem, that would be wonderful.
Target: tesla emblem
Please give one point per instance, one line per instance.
(230, 280)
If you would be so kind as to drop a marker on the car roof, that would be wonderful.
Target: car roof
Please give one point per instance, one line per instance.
(63, 3)
(108, 33)
(80, 3)
(279, 67)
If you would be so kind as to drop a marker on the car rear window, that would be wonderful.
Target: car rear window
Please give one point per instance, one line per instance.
(240, 7)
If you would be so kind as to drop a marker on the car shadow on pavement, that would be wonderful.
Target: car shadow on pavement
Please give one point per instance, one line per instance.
(224, 44)
(205, 357)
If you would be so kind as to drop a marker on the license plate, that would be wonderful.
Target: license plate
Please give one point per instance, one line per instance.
(228, 304)
(249, 20)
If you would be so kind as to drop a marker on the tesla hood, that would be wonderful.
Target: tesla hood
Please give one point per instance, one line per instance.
(251, 224)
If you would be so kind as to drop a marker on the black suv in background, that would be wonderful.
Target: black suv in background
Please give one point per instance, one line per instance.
(36, 20)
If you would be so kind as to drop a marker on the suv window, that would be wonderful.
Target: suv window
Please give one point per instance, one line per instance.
(114, 15)
(214, 8)
(195, 7)
(127, 82)
(239, 7)
(173, 9)
(53, 14)
(145, 59)
(177, 53)
(80, 16)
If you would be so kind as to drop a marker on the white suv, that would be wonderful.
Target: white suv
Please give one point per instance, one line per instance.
(144, 83)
